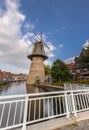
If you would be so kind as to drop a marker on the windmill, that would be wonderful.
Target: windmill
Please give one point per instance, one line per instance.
(36, 72)
(41, 40)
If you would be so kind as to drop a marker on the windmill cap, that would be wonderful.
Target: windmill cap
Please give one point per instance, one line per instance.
(38, 51)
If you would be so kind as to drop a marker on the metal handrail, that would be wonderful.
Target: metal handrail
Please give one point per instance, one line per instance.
(21, 110)
(71, 86)
(41, 93)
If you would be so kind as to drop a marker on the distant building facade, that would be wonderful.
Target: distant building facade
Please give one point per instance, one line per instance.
(83, 71)
(78, 72)
(10, 77)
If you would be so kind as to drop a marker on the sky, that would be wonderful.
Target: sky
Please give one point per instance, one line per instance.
(64, 25)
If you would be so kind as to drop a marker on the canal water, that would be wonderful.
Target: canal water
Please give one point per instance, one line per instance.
(13, 89)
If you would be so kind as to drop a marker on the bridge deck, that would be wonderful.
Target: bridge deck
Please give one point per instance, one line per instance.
(49, 88)
(58, 122)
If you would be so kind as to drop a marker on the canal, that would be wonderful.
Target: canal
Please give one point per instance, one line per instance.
(13, 89)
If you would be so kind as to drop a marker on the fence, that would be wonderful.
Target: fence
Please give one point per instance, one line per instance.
(21, 110)
(70, 86)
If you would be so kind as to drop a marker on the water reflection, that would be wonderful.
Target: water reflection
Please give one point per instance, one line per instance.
(13, 88)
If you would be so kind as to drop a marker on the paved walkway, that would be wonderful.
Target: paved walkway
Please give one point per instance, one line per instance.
(82, 125)
(59, 123)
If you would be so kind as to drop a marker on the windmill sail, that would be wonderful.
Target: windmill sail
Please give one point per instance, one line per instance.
(40, 39)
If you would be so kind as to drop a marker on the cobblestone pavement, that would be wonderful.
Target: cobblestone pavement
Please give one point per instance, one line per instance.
(83, 125)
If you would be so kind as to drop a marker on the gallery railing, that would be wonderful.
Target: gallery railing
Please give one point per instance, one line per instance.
(22, 110)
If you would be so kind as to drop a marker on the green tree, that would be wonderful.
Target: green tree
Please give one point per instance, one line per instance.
(59, 71)
(47, 69)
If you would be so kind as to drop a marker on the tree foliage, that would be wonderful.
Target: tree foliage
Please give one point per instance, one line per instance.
(59, 71)
(47, 69)
(84, 59)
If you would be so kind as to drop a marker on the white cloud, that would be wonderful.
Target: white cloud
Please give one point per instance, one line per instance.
(86, 44)
(29, 26)
(61, 45)
(48, 62)
(69, 60)
(14, 45)
(12, 68)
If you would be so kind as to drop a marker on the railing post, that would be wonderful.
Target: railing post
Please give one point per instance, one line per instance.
(64, 86)
(25, 113)
(66, 104)
(73, 104)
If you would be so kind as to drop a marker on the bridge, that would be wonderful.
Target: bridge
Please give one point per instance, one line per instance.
(28, 110)
(37, 88)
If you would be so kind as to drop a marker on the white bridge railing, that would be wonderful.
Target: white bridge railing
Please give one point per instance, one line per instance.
(71, 86)
(21, 110)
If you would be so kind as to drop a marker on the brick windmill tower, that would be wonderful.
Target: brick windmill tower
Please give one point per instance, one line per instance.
(36, 72)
